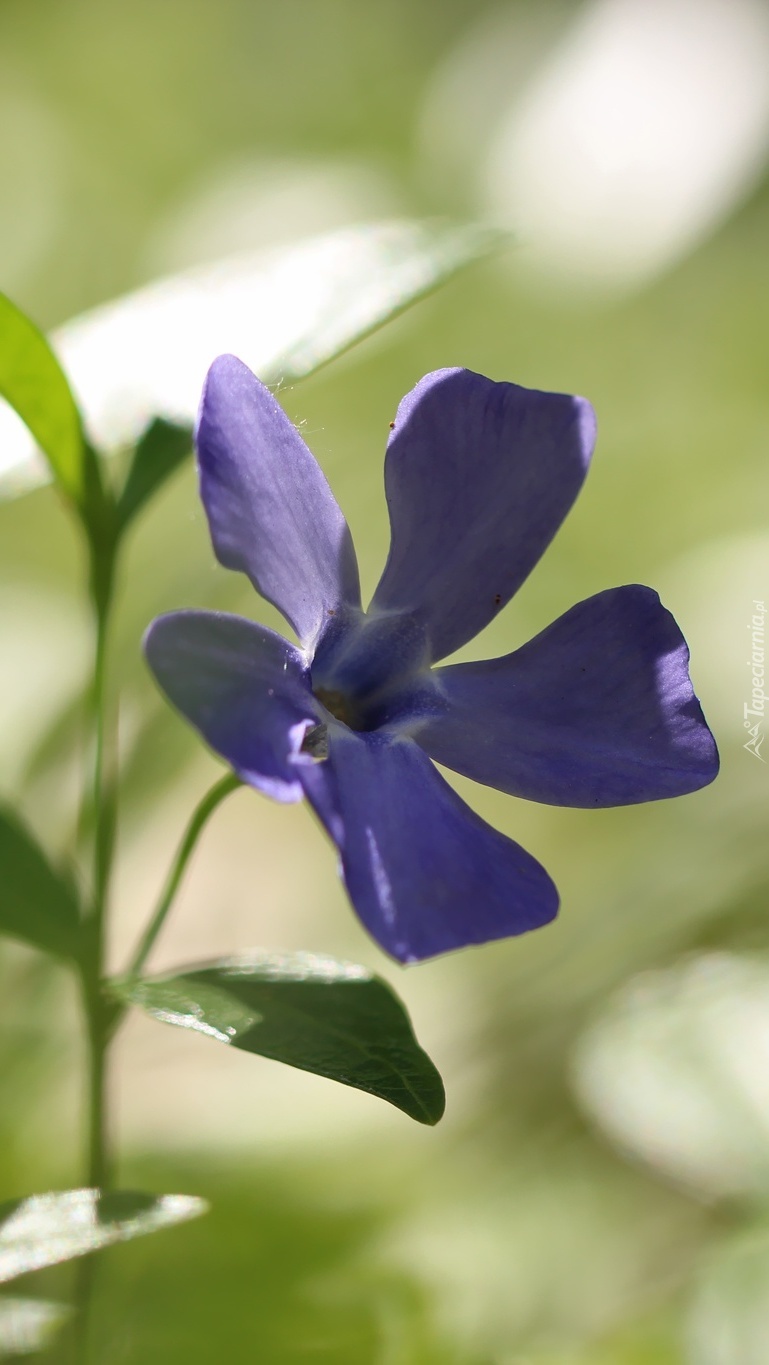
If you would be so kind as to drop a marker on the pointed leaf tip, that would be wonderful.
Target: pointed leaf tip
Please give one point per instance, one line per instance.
(331, 1018)
(159, 451)
(33, 383)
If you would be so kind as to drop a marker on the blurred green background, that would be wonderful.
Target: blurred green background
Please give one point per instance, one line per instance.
(596, 1193)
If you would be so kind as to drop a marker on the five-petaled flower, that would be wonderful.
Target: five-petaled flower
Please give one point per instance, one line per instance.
(597, 710)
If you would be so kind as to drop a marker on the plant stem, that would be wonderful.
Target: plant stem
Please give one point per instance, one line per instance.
(102, 1014)
(199, 818)
(99, 810)
(102, 799)
(97, 1172)
(103, 781)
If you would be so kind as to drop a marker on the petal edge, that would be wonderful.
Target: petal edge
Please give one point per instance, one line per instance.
(596, 710)
(426, 875)
(270, 510)
(479, 476)
(243, 688)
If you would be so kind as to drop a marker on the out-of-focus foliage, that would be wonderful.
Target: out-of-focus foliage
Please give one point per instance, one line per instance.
(36, 905)
(27, 1325)
(160, 449)
(47, 1228)
(150, 138)
(676, 1068)
(285, 312)
(729, 1319)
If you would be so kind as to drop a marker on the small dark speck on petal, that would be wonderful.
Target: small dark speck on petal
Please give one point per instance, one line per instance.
(497, 599)
(392, 426)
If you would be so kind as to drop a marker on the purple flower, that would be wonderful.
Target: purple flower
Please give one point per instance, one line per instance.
(597, 710)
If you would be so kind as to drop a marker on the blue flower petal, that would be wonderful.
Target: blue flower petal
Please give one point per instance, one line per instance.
(425, 874)
(270, 510)
(597, 710)
(244, 688)
(479, 476)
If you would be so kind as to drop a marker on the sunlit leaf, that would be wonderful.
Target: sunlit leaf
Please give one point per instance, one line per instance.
(285, 312)
(47, 1228)
(159, 451)
(332, 1018)
(27, 1325)
(33, 383)
(36, 904)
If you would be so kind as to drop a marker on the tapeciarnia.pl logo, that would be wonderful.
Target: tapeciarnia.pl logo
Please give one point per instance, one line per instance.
(754, 711)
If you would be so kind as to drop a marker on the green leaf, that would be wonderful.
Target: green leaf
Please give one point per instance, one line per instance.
(385, 269)
(159, 451)
(27, 1325)
(285, 312)
(36, 904)
(48, 1228)
(33, 382)
(332, 1018)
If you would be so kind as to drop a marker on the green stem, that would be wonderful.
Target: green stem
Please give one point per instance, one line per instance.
(200, 816)
(103, 780)
(99, 812)
(97, 1172)
(98, 1168)
(102, 1014)
(102, 800)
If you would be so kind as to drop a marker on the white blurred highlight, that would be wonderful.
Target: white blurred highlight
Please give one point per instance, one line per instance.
(677, 1072)
(258, 202)
(476, 84)
(630, 136)
(27, 1325)
(638, 135)
(283, 312)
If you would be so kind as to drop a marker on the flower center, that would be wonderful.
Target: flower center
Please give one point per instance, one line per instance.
(340, 706)
(364, 674)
